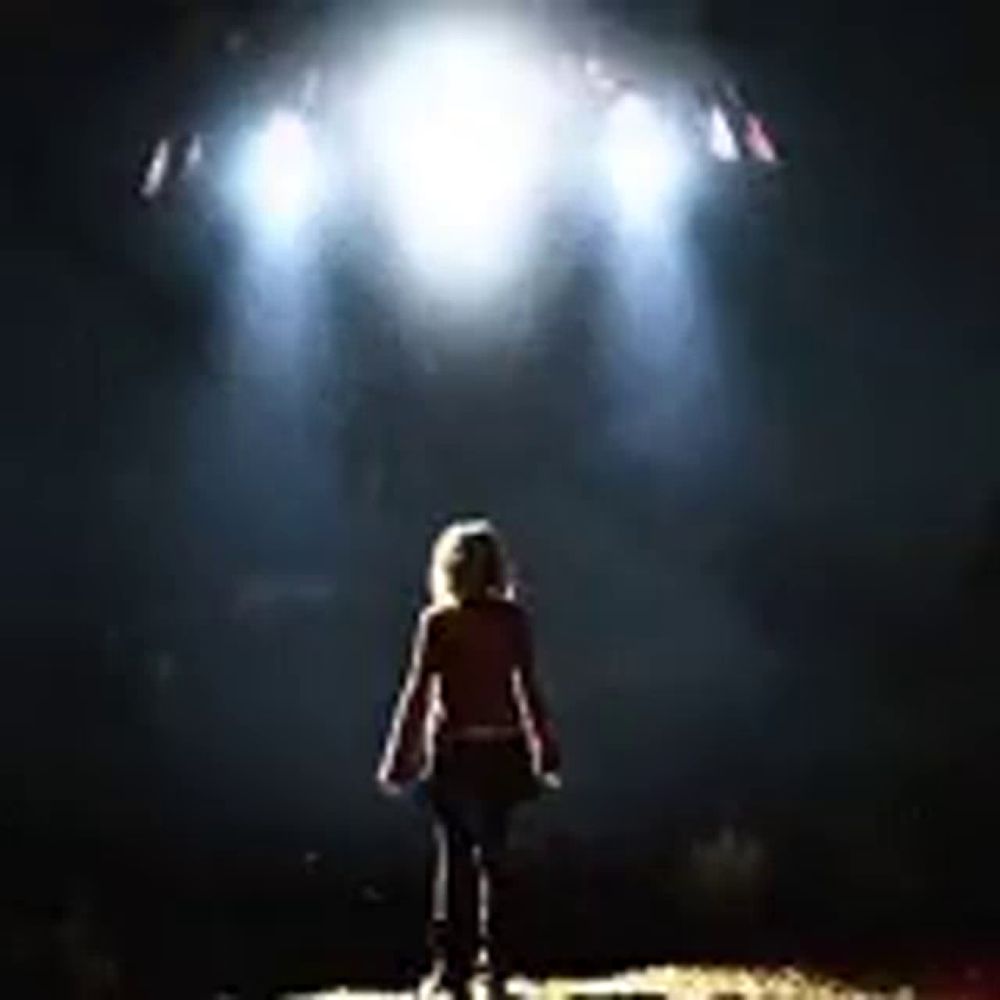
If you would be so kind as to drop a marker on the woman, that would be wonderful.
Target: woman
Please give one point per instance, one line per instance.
(472, 722)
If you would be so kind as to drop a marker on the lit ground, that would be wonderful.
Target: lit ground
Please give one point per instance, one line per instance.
(675, 982)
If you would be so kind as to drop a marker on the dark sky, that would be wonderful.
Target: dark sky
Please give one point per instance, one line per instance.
(749, 558)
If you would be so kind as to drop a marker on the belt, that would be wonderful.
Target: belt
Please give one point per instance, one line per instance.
(484, 733)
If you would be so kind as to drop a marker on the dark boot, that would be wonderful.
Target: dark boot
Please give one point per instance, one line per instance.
(451, 964)
(444, 981)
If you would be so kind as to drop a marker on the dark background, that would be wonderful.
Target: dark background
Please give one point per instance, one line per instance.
(765, 575)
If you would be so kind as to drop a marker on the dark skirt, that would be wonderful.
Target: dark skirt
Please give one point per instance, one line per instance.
(497, 771)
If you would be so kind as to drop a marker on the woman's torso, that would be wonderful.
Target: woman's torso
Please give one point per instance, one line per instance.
(480, 646)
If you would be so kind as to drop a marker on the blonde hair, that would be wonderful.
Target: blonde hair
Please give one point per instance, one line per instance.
(468, 562)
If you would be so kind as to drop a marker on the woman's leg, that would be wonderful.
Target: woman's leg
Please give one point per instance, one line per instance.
(453, 893)
(496, 906)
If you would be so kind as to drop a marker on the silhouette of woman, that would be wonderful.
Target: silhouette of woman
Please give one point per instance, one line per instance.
(472, 724)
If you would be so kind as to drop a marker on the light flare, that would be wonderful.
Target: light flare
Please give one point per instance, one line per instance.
(456, 126)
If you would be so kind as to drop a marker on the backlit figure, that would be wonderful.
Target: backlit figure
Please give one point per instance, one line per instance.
(472, 724)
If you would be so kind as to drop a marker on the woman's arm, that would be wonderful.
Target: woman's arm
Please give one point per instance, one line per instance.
(403, 756)
(531, 702)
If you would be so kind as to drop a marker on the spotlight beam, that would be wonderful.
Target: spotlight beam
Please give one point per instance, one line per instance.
(280, 177)
(646, 160)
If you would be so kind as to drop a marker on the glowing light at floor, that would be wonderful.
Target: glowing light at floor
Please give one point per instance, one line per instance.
(676, 982)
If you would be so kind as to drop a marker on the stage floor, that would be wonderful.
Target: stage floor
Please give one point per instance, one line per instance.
(675, 982)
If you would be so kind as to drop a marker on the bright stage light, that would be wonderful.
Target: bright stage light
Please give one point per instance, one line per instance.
(456, 124)
(281, 177)
(646, 161)
(721, 139)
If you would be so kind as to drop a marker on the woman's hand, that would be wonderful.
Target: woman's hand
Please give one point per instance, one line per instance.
(392, 789)
(389, 784)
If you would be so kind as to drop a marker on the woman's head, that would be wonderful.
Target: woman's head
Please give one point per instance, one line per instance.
(468, 563)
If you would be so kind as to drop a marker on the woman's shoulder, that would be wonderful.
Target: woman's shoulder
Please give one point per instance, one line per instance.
(507, 608)
(511, 606)
(435, 614)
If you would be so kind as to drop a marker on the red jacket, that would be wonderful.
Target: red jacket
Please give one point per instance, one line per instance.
(479, 658)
